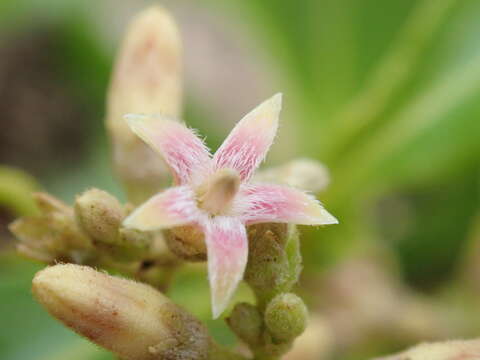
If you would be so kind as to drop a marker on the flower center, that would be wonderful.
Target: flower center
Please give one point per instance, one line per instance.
(217, 193)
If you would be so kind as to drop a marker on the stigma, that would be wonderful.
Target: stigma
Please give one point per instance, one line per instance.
(217, 193)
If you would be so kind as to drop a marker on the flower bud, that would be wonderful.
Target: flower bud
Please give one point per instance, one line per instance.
(131, 319)
(188, 243)
(286, 317)
(246, 322)
(100, 215)
(53, 235)
(146, 79)
(49, 204)
(274, 260)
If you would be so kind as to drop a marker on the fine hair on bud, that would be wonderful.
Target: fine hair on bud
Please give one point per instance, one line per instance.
(131, 319)
(286, 317)
(99, 215)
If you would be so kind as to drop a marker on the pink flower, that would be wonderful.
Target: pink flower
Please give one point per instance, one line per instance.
(214, 192)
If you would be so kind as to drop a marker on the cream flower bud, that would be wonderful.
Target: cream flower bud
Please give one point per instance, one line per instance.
(188, 243)
(146, 79)
(100, 215)
(131, 319)
(53, 235)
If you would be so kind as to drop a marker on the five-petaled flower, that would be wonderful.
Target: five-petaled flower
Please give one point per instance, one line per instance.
(213, 193)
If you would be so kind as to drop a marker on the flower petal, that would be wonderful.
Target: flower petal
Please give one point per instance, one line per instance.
(248, 143)
(227, 249)
(183, 151)
(276, 203)
(173, 207)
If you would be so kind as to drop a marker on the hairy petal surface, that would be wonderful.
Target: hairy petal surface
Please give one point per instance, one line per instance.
(259, 203)
(248, 143)
(173, 207)
(227, 249)
(183, 151)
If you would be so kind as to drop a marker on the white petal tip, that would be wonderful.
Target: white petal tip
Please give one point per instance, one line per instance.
(129, 223)
(216, 312)
(136, 222)
(326, 218)
(276, 100)
(134, 120)
(133, 117)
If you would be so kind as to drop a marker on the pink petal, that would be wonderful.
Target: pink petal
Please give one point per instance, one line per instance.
(276, 203)
(227, 248)
(173, 207)
(185, 153)
(248, 143)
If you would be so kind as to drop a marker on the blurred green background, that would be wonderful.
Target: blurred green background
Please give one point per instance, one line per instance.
(385, 93)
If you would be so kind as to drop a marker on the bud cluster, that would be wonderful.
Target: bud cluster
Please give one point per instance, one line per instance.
(273, 268)
(52, 235)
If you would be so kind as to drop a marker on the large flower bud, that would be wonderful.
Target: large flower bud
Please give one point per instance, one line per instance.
(131, 319)
(146, 79)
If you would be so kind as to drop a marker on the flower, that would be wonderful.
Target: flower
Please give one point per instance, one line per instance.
(214, 194)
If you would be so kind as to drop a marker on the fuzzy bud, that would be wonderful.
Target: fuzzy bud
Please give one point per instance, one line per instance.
(53, 235)
(100, 215)
(274, 260)
(131, 319)
(286, 317)
(246, 322)
(146, 79)
(188, 243)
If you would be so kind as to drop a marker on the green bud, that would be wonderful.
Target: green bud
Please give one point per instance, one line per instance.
(100, 215)
(246, 322)
(274, 261)
(188, 243)
(131, 319)
(286, 317)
